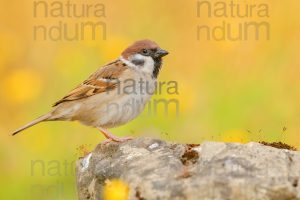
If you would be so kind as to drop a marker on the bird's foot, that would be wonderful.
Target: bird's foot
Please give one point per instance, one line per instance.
(120, 139)
(110, 137)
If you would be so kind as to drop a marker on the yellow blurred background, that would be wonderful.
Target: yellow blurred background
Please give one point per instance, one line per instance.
(241, 91)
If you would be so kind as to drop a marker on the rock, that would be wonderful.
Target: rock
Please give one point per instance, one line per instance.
(155, 169)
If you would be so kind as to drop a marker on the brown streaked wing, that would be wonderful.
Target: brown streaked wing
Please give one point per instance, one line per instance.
(94, 85)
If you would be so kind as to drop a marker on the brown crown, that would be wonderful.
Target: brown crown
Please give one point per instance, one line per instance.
(138, 46)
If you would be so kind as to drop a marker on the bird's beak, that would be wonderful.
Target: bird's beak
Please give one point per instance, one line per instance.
(160, 53)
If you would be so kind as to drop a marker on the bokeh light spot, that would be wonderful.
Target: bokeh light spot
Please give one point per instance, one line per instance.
(21, 86)
(115, 190)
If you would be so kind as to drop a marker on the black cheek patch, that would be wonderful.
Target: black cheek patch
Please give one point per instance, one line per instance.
(138, 62)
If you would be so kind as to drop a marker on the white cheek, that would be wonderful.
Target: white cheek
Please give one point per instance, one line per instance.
(148, 63)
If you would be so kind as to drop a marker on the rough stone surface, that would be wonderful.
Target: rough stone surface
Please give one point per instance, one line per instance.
(156, 169)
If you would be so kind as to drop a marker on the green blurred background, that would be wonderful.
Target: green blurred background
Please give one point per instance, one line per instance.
(241, 91)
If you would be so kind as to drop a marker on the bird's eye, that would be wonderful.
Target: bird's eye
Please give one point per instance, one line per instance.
(145, 51)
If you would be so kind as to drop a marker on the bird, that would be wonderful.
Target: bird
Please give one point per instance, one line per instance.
(114, 94)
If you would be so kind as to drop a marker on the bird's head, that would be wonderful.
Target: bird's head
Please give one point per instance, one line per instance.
(144, 55)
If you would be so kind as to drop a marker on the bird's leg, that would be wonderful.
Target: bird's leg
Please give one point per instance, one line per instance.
(112, 137)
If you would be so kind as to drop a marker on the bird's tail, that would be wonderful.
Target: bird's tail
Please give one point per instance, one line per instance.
(32, 123)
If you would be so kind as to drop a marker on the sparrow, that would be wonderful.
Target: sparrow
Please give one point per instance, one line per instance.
(113, 95)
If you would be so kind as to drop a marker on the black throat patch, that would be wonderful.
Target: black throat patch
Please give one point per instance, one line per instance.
(157, 66)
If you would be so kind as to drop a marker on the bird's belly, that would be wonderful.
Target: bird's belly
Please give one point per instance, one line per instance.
(112, 110)
(124, 110)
